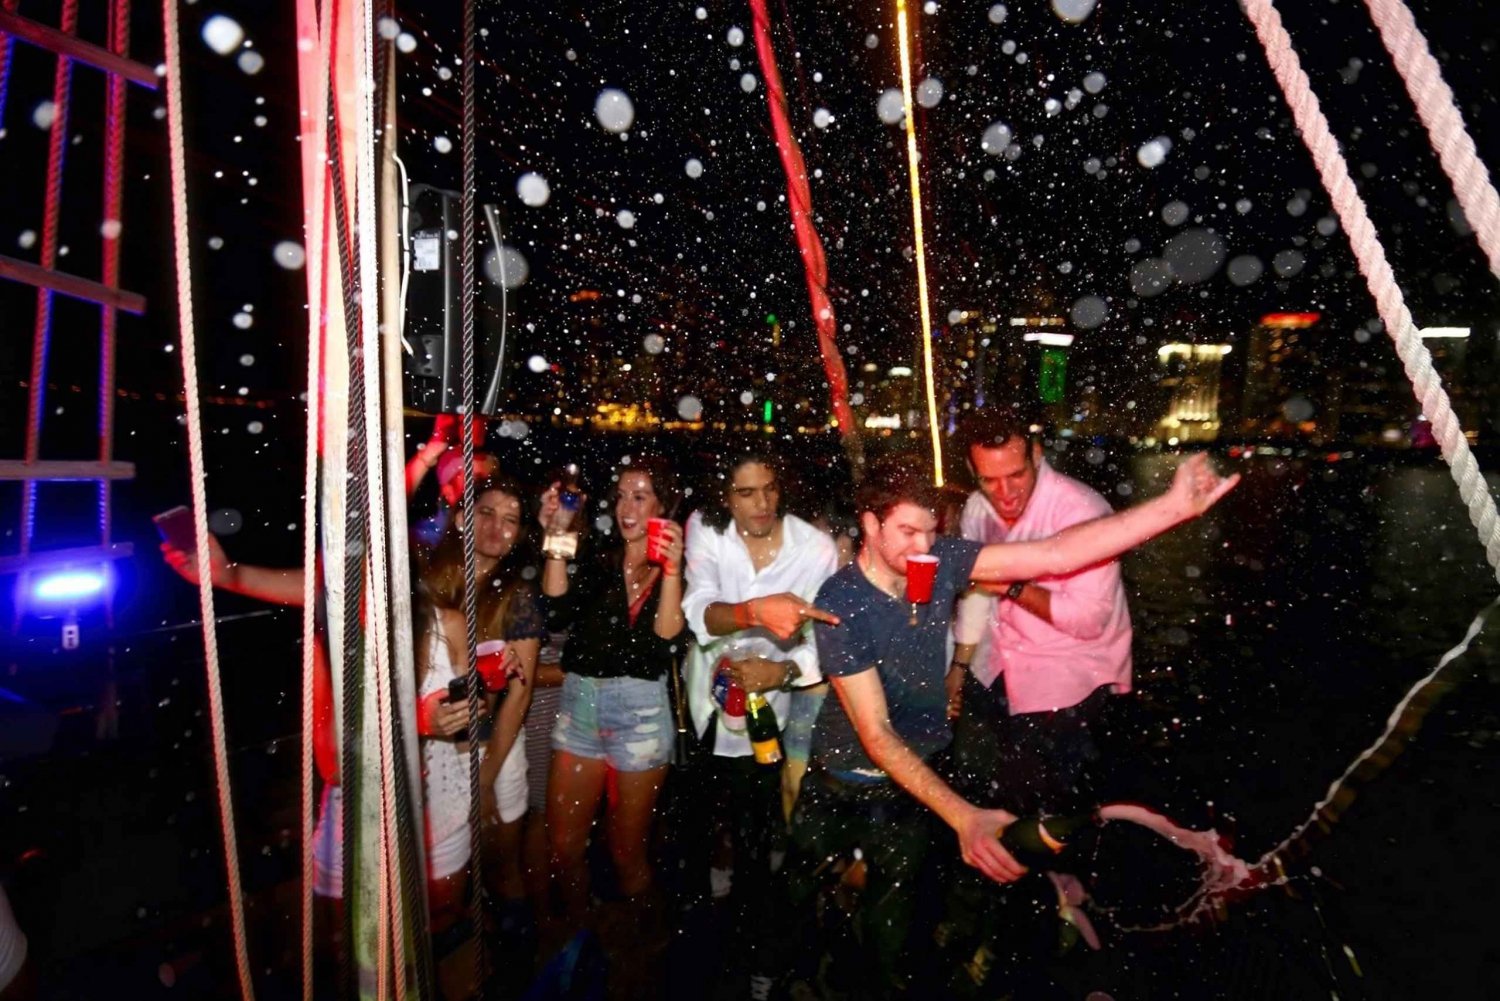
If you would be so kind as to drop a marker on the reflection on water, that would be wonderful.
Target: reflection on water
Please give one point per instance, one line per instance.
(1273, 638)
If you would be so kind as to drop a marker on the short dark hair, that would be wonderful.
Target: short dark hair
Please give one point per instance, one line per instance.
(992, 427)
(716, 505)
(663, 480)
(903, 478)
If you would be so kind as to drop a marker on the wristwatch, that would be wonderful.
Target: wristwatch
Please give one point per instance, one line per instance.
(1014, 591)
(790, 673)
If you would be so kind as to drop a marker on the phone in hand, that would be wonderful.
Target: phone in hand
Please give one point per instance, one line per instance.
(177, 528)
(458, 689)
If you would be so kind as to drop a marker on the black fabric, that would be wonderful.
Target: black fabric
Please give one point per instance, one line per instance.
(1029, 763)
(596, 614)
(892, 833)
(743, 797)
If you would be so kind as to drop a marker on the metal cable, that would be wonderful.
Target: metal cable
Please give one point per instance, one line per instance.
(471, 614)
(355, 506)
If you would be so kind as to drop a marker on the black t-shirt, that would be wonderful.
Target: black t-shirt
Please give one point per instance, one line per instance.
(876, 631)
(602, 643)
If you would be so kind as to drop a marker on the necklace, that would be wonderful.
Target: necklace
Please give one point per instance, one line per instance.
(869, 572)
(638, 576)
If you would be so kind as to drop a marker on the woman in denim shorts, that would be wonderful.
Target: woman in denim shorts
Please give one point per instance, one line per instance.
(614, 727)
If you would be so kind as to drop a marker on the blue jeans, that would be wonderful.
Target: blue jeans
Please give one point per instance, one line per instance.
(624, 721)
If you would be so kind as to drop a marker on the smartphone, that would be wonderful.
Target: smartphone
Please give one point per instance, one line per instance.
(177, 529)
(458, 688)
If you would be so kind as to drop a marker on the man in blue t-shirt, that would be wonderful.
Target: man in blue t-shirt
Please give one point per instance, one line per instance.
(870, 776)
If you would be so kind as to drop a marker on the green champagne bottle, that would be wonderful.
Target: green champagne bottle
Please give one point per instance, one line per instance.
(760, 724)
(1036, 841)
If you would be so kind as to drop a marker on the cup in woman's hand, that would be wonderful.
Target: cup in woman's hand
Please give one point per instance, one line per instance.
(655, 533)
(490, 663)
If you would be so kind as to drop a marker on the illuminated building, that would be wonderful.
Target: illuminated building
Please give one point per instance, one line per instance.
(1193, 373)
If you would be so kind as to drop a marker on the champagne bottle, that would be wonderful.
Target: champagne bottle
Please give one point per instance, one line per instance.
(1036, 841)
(765, 736)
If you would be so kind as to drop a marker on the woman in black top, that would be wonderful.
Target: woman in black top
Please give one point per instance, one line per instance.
(624, 615)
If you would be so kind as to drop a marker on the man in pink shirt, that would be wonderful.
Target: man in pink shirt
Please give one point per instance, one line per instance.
(1034, 661)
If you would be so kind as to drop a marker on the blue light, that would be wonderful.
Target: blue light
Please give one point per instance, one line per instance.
(69, 585)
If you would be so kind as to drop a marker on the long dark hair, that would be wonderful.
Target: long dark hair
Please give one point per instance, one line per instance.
(715, 508)
(663, 481)
(442, 581)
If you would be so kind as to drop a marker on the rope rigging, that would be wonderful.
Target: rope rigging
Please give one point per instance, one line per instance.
(373, 618)
(189, 353)
(473, 690)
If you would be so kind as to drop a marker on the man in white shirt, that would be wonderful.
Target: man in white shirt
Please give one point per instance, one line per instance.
(751, 573)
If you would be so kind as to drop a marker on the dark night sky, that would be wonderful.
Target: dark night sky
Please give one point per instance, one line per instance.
(708, 257)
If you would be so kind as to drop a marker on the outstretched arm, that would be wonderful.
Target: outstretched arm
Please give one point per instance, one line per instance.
(1196, 487)
(277, 585)
(978, 830)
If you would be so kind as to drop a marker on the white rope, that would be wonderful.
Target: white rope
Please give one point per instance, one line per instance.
(314, 112)
(1445, 125)
(402, 642)
(1392, 722)
(391, 956)
(200, 501)
(1390, 303)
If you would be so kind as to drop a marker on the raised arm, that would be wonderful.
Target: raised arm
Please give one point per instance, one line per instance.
(1195, 488)
(276, 585)
(864, 701)
(669, 620)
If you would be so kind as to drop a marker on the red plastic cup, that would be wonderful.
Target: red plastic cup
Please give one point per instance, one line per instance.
(490, 663)
(921, 572)
(654, 529)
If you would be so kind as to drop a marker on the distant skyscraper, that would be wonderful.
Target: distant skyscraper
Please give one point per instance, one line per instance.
(1192, 372)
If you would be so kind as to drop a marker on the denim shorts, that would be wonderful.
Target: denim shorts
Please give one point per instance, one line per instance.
(796, 736)
(624, 721)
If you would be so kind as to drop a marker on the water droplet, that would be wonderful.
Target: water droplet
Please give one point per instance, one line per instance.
(614, 110)
(507, 268)
(891, 106)
(995, 139)
(1245, 270)
(223, 34)
(1089, 312)
(1073, 11)
(533, 189)
(289, 254)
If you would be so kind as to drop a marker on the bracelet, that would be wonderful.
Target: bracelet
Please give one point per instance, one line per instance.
(667, 571)
(1014, 591)
(560, 545)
